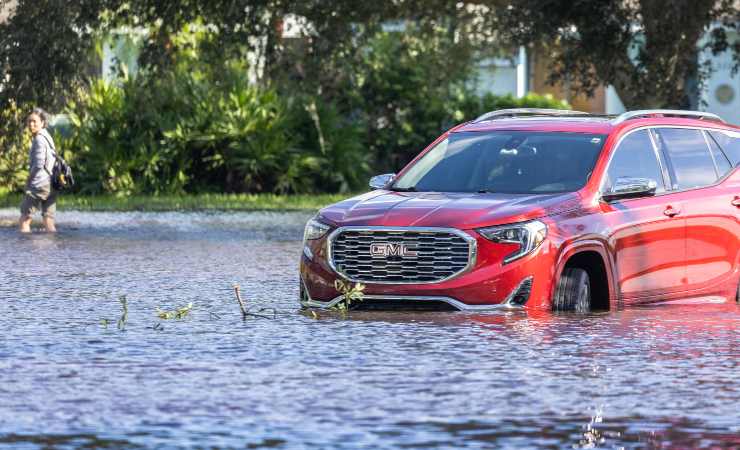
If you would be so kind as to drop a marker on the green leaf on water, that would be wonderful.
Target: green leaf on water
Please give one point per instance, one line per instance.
(179, 313)
(166, 315)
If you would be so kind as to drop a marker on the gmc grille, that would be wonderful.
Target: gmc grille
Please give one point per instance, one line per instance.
(400, 256)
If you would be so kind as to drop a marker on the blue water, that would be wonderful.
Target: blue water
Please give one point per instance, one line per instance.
(657, 377)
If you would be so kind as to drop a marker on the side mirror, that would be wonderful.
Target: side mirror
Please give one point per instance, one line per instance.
(381, 181)
(627, 187)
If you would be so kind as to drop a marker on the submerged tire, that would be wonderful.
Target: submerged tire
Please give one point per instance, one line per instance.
(573, 292)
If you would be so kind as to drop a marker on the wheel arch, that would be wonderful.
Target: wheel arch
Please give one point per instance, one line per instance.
(592, 256)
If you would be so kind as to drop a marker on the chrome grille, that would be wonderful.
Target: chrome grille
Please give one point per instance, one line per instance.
(434, 254)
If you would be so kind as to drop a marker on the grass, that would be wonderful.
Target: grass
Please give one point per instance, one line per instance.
(199, 202)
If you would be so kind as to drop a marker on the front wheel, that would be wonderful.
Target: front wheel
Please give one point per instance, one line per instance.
(573, 292)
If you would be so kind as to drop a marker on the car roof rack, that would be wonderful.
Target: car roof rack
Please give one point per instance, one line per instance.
(528, 112)
(700, 115)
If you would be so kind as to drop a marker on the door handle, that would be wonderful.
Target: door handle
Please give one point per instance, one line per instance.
(736, 201)
(670, 211)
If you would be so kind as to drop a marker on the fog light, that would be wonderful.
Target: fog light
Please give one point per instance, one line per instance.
(520, 295)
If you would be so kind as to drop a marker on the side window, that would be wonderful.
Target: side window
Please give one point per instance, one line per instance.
(729, 142)
(723, 165)
(689, 157)
(635, 158)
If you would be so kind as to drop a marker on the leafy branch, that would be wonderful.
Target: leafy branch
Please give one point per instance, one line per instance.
(349, 293)
(179, 313)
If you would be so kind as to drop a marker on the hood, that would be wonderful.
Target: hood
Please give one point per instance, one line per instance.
(434, 209)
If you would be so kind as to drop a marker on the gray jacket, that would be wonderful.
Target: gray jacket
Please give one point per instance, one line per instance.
(42, 156)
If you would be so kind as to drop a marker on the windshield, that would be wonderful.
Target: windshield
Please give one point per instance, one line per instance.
(505, 161)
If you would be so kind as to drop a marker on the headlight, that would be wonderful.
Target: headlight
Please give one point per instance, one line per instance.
(314, 230)
(529, 235)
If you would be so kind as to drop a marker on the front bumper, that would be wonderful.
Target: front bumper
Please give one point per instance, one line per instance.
(424, 302)
(488, 284)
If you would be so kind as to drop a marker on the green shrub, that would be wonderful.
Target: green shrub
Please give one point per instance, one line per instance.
(178, 133)
(100, 148)
(409, 87)
(475, 106)
(200, 127)
(232, 137)
(188, 132)
(14, 145)
(330, 153)
(197, 125)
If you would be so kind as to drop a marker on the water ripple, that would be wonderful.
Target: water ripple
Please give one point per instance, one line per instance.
(656, 377)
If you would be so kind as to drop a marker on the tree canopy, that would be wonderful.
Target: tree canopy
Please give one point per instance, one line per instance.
(46, 45)
(647, 49)
(45, 48)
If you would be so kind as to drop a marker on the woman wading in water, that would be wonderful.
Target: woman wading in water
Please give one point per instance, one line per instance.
(39, 194)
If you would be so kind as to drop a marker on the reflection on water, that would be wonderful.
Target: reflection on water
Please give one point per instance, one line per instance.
(657, 377)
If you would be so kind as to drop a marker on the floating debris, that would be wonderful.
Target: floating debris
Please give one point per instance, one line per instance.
(241, 302)
(178, 314)
(245, 312)
(349, 294)
(124, 317)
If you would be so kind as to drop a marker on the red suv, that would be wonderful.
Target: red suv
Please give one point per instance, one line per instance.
(543, 209)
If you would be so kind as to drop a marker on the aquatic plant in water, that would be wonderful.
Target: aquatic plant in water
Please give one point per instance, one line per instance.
(124, 315)
(179, 313)
(349, 294)
(121, 324)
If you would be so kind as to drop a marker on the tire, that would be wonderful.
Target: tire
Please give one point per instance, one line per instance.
(737, 297)
(573, 292)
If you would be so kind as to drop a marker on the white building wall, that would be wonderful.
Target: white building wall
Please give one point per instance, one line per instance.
(496, 76)
(503, 76)
(721, 93)
(614, 104)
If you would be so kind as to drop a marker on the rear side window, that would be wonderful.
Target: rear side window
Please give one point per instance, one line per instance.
(729, 142)
(635, 158)
(723, 164)
(689, 155)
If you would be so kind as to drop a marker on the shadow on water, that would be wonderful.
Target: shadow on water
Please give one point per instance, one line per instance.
(65, 441)
(546, 433)
(651, 377)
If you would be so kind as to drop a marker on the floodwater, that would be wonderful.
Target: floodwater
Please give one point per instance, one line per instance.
(651, 377)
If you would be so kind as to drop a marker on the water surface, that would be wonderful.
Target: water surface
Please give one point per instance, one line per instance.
(657, 377)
